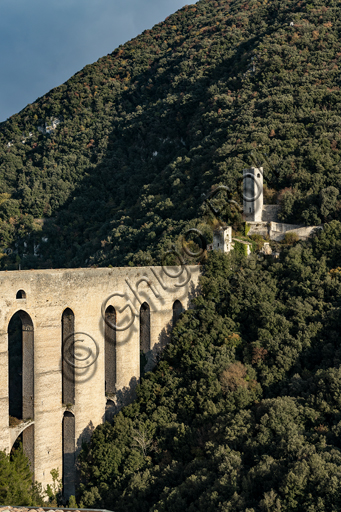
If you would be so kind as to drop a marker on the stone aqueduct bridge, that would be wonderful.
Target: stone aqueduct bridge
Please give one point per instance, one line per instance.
(76, 369)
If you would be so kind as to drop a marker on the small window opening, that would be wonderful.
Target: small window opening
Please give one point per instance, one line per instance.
(258, 175)
(21, 294)
(250, 210)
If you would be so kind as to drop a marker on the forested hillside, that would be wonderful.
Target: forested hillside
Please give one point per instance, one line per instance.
(242, 413)
(109, 168)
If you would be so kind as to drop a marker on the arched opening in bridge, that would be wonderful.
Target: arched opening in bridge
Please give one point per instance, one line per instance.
(25, 441)
(68, 354)
(110, 409)
(69, 459)
(110, 350)
(177, 310)
(20, 295)
(17, 444)
(144, 336)
(21, 377)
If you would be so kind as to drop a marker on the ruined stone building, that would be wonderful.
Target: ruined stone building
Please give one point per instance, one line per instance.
(262, 219)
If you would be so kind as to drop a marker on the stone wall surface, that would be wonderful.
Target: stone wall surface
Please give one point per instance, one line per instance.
(278, 230)
(258, 228)
(48, 294)
(270, 212)
(281, 227)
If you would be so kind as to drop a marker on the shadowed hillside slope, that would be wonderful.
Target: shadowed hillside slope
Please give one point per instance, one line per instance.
(146, 130)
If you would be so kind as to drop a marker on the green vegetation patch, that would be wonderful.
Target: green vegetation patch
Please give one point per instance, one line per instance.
(243, 410)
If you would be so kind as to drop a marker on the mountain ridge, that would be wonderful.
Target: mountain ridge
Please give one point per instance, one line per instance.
(155, 124)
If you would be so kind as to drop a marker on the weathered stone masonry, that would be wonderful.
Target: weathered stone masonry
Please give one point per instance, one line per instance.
(82, 292)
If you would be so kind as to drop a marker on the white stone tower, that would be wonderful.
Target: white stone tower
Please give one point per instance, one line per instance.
(253, 194)
(222, 239)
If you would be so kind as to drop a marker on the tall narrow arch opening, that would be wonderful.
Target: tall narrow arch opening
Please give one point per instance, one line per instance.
(69, 455)
(144, 336)
(110, 351)
(21, 377)
(68, 353)
(110, 409)
(177, 310)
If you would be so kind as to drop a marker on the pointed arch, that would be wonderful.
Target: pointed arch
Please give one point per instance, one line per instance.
(21, 377)
(110, 409)
(144, 335)
(110, 350)
(69, 455)
(177, 310)
(21, 365)
(68, 371)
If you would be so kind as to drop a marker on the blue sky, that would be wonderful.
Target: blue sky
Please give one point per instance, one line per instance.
(44, 42)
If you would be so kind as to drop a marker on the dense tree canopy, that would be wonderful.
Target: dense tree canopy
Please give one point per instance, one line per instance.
(16, 486)
(243, 411)
(149, 128)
